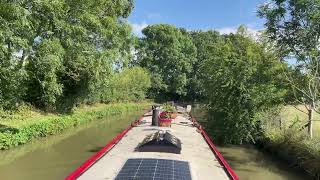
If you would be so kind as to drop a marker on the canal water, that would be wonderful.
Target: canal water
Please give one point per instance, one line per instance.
(250, 163)
(56, 156)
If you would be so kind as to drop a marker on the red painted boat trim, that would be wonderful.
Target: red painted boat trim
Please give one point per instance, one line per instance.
(93, 159)
(214, 149)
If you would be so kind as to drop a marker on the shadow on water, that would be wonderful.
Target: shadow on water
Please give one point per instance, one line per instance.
(96, 149)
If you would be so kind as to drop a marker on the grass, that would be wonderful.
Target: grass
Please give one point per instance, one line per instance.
(290, 113)
(288, 143)
(22, 126)
(292, 144)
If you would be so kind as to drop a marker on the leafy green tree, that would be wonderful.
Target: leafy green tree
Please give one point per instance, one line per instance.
(68, 48)
(43, 72)
(293, 25)
(240, 81)
(204, 41)
(128, 85)
(168, 53)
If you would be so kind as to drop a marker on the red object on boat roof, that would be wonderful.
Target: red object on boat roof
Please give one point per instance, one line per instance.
(165, 119)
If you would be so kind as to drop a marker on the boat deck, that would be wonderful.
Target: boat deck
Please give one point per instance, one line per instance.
(203, 163)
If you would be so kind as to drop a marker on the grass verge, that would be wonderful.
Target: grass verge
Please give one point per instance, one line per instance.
(26, 124)
(291, 143)
(295, 148)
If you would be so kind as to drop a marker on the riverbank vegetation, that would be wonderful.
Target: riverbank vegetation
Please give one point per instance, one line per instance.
(283, 136)
(57, 56)
(26, 124)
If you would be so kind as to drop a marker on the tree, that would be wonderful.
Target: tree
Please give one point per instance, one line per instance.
(240, 81)
(168, 53)
(129, 85)
(67, 48)
(294, 26)
(204, 41)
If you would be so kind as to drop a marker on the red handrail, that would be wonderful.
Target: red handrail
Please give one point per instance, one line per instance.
(215, 151)
(93, 159)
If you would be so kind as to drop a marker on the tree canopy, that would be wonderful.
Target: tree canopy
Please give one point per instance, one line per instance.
(61, 50)
(169, 54)
(241, 79)
(294, 27)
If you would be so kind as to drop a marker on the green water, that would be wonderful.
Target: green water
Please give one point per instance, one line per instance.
(56, 156)
(251, 164)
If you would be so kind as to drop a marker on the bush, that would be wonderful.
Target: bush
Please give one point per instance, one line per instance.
(295, 147)
(241, 82)
(289, 142)
(129, 85)
(49, 125)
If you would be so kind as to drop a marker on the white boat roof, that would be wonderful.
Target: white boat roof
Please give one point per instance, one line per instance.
(203, 163)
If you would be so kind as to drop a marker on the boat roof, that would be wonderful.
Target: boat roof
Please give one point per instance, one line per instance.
(194, 149)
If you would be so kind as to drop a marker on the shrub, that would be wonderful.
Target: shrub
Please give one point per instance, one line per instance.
(50, 125)
(129, 85)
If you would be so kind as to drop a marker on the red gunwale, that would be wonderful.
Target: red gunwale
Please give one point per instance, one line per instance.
(232, 175)
(93, 159)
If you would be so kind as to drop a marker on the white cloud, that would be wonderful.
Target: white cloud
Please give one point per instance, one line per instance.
(137, 28)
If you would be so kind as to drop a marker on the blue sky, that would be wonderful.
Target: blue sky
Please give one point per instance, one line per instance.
(222, 15)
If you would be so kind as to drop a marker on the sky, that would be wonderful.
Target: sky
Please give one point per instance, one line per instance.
(222, 15)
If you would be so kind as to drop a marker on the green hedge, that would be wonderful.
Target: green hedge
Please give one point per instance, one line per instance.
(56, 124)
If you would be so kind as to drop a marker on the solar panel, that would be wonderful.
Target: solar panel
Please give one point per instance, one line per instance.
(154, 169)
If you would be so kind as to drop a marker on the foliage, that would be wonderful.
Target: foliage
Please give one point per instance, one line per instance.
(128, 85)
(61, 51)
(168, 53)
(204, 42)
(43, 71)
(18, 133)
(294, 27)
(291, 144)
(168, 108)
(241, 80)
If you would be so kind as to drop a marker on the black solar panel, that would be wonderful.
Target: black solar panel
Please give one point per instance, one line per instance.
(154, 169)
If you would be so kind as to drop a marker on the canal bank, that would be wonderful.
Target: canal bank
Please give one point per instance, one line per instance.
(250, 162)
(56, 156)
(23, 126)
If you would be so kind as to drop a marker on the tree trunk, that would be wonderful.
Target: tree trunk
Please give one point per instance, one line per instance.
(310, 117)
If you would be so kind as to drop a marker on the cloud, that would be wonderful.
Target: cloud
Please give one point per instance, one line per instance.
(137, 28)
